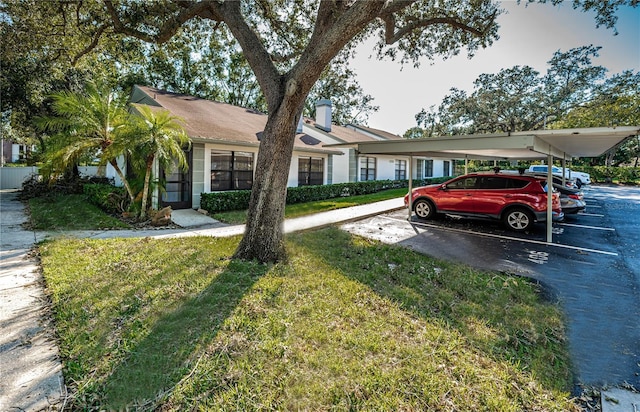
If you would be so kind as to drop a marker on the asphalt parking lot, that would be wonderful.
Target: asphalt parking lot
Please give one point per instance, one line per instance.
(592, 268)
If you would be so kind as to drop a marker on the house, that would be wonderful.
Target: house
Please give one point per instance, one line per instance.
(226, 138)
(11, 152)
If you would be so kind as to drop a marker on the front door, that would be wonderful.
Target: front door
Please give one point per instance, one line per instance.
(177, 193)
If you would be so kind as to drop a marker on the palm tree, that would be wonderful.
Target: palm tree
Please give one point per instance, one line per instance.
(89, 125)
(161, 138)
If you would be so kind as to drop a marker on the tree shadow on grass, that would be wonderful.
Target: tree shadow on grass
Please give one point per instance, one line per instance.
(457, 296)
(162, 358)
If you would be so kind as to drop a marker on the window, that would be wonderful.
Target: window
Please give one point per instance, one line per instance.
(231, 170)
(310, 171)
(401, 169)
(367, 168)
(446, 168)
(466, 183)
(428, 168)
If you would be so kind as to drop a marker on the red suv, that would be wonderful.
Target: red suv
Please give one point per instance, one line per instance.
(517, 200)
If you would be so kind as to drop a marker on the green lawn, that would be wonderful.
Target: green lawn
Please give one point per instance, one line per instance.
(301, 209)
(69, 212)
(345, 324)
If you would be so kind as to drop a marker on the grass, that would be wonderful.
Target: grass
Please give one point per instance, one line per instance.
(345, 324)
(301, 209)
(70, 212)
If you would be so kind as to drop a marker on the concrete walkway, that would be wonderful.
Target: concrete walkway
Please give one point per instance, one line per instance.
(196, 224)
(30, 369)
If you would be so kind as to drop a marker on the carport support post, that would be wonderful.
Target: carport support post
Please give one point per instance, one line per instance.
(549, 199)
(466, 164)
(410, 187)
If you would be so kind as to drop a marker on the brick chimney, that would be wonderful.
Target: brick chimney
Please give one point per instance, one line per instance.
(323, 114)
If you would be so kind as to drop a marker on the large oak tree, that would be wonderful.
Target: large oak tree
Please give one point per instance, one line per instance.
(288, 44)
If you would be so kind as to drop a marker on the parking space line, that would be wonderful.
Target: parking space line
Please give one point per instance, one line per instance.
(587, 227)
(592, 205)
(537, 242)
(590, 214)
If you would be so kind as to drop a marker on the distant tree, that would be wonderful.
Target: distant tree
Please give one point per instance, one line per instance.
(571, 80)
(614, 103)
(49, 47)
(338, 83)
(518, 98)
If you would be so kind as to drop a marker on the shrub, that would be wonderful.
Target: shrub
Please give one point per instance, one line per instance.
(225, 201)
(107, 197)
(36, 186)
(604, 174)
(239, 199)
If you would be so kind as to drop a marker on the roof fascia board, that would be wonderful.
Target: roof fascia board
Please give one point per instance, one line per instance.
(445, 144)
(199, 139)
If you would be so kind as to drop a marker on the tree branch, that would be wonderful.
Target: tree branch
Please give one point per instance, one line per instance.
(168, 29)
(254, 51)
(392, 36)
(91, 46)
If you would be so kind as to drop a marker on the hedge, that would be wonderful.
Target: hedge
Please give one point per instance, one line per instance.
(239, 199)
(604, 174)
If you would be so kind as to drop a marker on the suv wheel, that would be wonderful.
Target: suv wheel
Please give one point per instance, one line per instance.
(424, 209)
(518, 219)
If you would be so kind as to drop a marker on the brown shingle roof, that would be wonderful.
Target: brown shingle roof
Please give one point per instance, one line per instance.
(207, 120)
(381, 133)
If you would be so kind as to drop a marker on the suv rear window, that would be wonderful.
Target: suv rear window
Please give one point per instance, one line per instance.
(498, 182)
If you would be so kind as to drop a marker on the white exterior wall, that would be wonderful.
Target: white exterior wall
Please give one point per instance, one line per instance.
(341, 167)
(438, 168)
(386, 167)
(199, 175)
(293, 170)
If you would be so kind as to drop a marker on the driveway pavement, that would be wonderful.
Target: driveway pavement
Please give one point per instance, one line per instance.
(592, 269)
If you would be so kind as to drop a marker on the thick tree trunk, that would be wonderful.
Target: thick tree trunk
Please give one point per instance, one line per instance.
(263, 238)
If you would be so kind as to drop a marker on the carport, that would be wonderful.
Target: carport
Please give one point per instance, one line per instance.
(564, 144)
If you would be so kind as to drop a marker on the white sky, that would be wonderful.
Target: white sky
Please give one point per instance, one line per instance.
(528, 36)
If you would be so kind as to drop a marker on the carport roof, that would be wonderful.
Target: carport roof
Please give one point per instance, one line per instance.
(536, 144)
